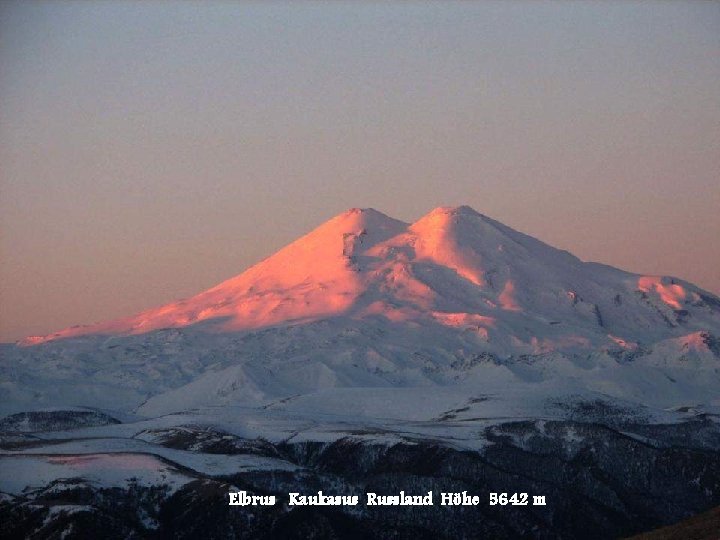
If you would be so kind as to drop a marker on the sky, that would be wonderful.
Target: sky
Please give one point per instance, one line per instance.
(149, 150)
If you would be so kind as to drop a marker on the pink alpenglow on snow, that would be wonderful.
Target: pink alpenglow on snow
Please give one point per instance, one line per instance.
(670, 292)
(453, 268)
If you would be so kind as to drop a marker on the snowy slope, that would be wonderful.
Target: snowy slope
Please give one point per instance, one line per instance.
(454, 267)
(454, 300)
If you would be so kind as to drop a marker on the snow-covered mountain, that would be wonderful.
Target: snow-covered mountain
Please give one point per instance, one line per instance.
(455, 330)
(367, 301)
(454, 267)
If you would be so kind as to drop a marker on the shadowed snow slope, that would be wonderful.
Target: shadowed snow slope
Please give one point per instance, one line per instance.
(365, 300)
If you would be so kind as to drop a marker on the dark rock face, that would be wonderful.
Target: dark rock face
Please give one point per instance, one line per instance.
(207, 441)
(598, 481)
(28, 422)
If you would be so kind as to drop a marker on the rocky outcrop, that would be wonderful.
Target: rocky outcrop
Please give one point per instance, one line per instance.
(599, 481)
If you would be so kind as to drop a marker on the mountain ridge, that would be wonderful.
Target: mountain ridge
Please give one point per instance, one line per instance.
(453, 265)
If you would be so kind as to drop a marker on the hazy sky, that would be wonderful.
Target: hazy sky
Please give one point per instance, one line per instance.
(149, 150)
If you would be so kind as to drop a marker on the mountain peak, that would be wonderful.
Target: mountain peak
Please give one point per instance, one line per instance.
(354, 210)
(446, 222)
(363, 212)
(453, 264)
(356, 219)
(462, 210)
(443, 216)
